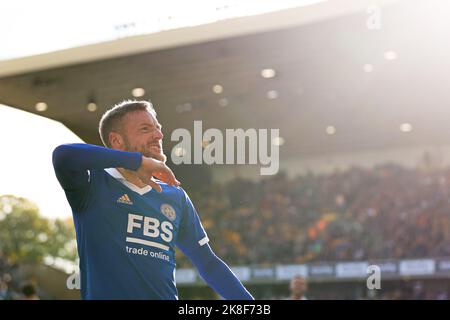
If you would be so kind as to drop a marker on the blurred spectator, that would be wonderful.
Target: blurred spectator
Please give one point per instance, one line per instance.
(29, 291)
(298, 288)
(4, 291)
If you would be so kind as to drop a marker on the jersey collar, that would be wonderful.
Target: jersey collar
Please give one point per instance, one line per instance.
(113, 172)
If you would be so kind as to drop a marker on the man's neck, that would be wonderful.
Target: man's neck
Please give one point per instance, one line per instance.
(130, 176)
(297, 296)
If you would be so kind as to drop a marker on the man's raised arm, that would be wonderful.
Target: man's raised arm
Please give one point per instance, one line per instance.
(71, 162)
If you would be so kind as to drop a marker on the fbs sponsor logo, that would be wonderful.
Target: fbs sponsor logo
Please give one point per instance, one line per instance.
(125, 199)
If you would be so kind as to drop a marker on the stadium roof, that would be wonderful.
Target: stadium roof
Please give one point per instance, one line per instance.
(48, 36)
(337, 85)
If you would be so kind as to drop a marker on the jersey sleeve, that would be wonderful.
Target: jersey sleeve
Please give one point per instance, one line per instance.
(76, 185)
(191, 234)
(74, 164)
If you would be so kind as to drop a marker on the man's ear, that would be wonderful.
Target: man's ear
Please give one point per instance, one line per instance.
(116, 140)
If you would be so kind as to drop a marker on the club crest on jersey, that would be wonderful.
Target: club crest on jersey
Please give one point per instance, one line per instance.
(168, 211)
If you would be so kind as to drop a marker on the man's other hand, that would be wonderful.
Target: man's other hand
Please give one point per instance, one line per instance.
(154, 168)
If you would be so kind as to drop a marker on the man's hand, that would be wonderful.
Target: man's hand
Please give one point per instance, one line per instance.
(151, 167)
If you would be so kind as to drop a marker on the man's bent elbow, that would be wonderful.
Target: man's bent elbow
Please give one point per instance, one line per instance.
(60, 154)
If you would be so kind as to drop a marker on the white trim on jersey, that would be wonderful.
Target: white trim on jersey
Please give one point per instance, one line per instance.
(147, 243)
(113, 172)
(203, 241)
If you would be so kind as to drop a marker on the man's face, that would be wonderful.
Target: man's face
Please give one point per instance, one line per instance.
(298, 286)
(142, 133)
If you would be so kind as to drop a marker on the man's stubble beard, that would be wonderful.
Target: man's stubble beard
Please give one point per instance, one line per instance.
(156, 155)
(145, 151)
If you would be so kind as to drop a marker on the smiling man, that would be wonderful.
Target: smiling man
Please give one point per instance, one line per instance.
(127, 222)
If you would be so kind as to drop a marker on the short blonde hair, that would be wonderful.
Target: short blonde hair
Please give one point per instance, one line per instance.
(112, 118)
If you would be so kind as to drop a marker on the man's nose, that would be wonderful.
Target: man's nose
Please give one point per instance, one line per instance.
(159, 135)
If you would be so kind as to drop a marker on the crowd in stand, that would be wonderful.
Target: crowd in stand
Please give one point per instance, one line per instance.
(406, 289)
(385, 212)
(10, 288)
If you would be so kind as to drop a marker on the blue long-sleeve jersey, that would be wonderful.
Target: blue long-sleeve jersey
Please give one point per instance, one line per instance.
(126, 235)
